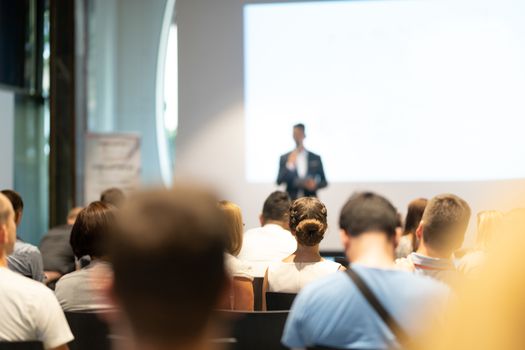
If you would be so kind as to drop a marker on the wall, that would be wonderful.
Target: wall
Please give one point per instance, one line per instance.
(123, 47)
(210, 141)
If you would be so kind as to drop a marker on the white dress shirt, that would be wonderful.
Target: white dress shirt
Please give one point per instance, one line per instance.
(301, 164)
(263, 245)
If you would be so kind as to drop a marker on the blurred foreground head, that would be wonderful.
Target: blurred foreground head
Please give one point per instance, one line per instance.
(491, 310)
(168, 258)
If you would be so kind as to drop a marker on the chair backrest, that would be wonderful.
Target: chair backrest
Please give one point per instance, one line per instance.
(257, 330)
(22, 345)
(279, 301)
(90, 331)
(257, 293)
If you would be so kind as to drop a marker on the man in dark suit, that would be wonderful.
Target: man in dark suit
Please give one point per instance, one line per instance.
(301, 170)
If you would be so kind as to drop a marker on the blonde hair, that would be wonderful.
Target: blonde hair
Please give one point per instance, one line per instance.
(489, 222)
(235, 226)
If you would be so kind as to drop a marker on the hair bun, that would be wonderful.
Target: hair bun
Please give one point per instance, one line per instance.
(310, 231)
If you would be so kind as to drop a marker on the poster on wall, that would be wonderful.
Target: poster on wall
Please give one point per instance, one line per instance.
(112, 160)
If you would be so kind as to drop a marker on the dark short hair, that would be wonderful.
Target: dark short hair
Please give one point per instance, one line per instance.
(174, 242)
(445, 221)
(367, 212)
(308, 220)
(92, 225)
(414, 214)
(277, 206)
(15, 199)
(114, 196)
(300, 126)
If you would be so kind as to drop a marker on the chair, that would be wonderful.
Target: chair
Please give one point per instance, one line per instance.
(22, 345)
(279, 301)
(90, 331)
(257, 293)
(257, 330)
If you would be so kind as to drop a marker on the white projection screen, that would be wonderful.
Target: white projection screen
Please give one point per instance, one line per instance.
(393, 90)
(406, 98)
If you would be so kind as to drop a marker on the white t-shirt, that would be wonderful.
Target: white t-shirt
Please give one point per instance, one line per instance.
(263, 245)
(30, 311)
(291, 277)
(237, 268)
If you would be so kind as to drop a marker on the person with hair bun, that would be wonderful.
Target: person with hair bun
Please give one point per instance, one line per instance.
(308, 225)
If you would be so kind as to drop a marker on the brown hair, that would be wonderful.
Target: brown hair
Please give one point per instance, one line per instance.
(445, 221)
(308, 220)
(91, 226)
(236, 226)
(168, 260)
(415, 211)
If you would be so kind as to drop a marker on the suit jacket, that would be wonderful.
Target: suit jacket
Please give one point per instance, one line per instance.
(292, 180)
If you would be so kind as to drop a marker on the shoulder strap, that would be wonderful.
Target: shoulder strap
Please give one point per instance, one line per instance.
(396, 329)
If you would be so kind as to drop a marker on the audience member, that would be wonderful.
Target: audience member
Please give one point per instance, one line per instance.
(114, 196)
(408, 242)
(308, 225)
(488, 225)
(440, 232)
(168, 260)
(56, 251)
(28, 309)
(333, 312)
(77, 291)
(273, 240)
(26, 258)
(241, 292)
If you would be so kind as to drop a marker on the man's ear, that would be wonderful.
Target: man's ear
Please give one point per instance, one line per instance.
(261, 219)
(345, 240)
(397, 237)
(18, 217)
(419, 232)
(4, 235)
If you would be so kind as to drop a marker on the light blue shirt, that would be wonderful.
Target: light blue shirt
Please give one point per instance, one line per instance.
(332, 312)
(27, 261)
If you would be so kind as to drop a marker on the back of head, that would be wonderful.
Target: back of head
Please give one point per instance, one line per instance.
(114, 196)
(7, 226)
(277, 207)
(167, 254)
(489, 222)
(16, 202)
(368, 212)
(444, 222)
(72, 215)
(92, 225)
(414, 215)
(234, 220)
(308, 220)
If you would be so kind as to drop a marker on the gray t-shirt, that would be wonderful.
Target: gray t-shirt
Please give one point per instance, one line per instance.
(27, 261)
(81, 290)
(332, 312)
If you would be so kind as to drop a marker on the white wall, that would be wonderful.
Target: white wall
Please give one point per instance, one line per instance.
(210, 140)
(7, 111)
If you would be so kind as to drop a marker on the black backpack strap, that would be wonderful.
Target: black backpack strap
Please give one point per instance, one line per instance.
(397, 330)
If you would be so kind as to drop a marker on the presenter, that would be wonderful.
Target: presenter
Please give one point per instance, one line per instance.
(301, 170)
